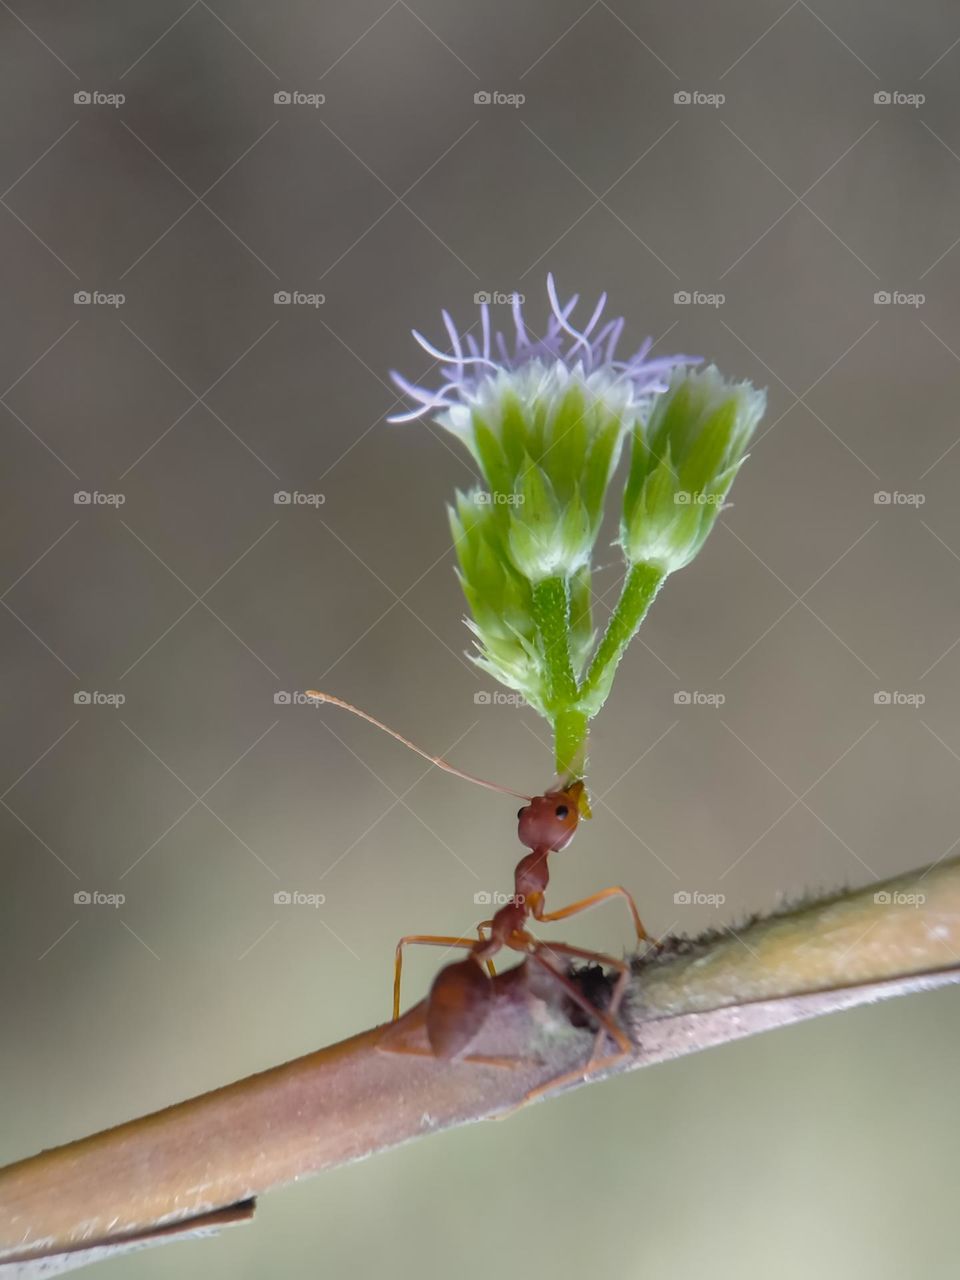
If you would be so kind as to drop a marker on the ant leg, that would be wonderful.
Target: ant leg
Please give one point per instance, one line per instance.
(615, 891)
(605, 1019)
(619, 987)
(425, 940)
(485, 924)
(479, 1059)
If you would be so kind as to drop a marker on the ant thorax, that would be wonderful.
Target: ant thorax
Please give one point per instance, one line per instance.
(532, 875)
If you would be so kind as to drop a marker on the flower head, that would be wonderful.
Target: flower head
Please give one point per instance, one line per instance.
(476, 373)
(544, 418)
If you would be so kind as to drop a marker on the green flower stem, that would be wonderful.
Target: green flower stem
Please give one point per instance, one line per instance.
(551, 612)
(570, 735)
(640, 586)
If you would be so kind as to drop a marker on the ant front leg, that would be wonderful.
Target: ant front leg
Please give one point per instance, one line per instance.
(423, 940)
(615, 891)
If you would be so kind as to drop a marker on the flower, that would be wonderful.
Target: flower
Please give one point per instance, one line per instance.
(545, 419)
(683, 462)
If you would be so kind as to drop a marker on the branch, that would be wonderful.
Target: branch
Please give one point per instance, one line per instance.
(199, 1164)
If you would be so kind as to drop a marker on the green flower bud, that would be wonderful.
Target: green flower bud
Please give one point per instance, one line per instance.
(548, 459)
(500, 599)
(683, 462)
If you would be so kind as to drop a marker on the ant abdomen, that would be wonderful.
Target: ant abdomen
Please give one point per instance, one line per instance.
(458, 1005)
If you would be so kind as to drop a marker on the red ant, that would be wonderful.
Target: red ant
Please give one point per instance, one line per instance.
(462, 993)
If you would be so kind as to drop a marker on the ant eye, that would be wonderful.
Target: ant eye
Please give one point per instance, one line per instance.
(521, 811)
(561, 811)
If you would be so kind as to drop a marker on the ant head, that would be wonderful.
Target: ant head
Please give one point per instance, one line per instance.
(550, 821)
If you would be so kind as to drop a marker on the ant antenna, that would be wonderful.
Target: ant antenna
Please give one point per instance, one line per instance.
(437, 760)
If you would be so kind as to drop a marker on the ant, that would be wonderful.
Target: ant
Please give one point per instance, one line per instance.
(462, 994)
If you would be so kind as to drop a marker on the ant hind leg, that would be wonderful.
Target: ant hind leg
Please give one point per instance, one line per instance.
(422, 940)
(605, 1018)
(485, 924)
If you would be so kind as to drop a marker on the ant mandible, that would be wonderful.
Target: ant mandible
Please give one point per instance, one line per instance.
(462, 993)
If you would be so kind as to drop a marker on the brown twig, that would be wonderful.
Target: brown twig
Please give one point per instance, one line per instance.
(199, 1164)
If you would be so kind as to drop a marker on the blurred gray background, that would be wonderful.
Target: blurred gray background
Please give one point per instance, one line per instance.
(799, 198)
